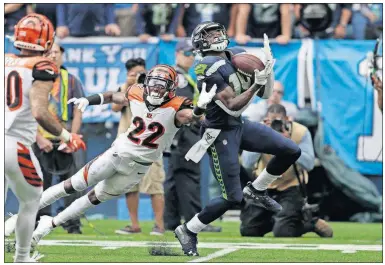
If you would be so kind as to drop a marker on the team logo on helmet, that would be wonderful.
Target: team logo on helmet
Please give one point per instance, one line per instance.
(34, 32)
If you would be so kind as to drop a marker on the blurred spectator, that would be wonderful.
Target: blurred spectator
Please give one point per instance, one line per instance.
(53, 162)
(341, 19)
(193, 14)
(134, 68)
(153, 20)
(182, 185)
(342, 14)
(253, 20)
(12, 14)
(48, 10)
(125, 17)
(366, 21)
(256, 112)
(294, 220)
(152, 182)
(377, 83)
(83, 20)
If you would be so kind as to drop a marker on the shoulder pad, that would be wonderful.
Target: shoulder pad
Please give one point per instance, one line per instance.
(45, 70)
(209, 65)
(135, 92)
(236, 50)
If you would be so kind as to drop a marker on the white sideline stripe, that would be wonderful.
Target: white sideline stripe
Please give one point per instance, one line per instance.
(214, 255)
(217, 245)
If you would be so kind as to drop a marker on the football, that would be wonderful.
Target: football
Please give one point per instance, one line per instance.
(246, 63)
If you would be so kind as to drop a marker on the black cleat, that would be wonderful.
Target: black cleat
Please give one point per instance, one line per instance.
(187, 239)
(261, 198)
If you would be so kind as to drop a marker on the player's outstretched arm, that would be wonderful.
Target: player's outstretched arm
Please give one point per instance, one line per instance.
(38, 96)
(236, 104)
(100, 99)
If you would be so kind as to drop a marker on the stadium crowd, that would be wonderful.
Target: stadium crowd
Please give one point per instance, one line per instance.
(242, 21)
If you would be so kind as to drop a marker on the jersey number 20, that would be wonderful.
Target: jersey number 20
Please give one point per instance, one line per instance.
(14, 98)
(156, 127)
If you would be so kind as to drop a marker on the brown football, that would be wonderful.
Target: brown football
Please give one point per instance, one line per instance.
(246, 64)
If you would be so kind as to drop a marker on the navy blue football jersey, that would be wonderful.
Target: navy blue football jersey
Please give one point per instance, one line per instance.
(220, 71)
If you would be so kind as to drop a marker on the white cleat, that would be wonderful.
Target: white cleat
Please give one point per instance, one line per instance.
(35, 258)
(44, 228)
(10, 225)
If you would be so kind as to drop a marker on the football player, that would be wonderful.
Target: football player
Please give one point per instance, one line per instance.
(225, 132)
(29, 79)
(157, 114)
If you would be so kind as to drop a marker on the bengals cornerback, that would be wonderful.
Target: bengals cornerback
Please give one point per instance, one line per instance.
(157, 115)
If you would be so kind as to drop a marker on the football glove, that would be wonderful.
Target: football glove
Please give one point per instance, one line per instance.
(81, 102)
(206, 97)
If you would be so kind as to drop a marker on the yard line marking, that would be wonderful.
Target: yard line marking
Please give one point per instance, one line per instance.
(111, 247)
(217, 245)
(214, 255)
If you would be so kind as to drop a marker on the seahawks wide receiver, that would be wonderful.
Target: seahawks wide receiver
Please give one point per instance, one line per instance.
(224, 132)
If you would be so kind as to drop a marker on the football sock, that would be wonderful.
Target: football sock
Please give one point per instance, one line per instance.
(76, 209)
(52, 194)
(264, 180)
(195, 225)
(24, 228)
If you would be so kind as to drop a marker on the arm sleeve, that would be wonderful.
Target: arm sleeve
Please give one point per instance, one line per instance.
(139, 20)
(187, 104)
(306, 160)
(175, 19)
(109, 13)
(45, 71)
(61, 15)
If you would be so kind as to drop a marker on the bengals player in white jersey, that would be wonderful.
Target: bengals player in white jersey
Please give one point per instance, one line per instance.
(157, 115)
(29, 79)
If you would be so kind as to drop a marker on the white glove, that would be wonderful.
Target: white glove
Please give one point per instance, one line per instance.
(266, 48)
(261, 77)
(81, 102)
(206, 97)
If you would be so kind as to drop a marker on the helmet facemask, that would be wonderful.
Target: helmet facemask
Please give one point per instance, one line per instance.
(219, 39)
(210, 37)
(158, 90)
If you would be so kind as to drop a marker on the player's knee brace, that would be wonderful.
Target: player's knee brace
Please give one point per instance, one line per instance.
(93, 198)
(68, 188)
(78, 181)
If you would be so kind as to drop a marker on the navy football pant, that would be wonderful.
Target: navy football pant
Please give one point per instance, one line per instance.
(224, 162)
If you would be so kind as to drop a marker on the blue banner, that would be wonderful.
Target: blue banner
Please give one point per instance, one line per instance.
(352, 120)
(99, 64)
(286, 65)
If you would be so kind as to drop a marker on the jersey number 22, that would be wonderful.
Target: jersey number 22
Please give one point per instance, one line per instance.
(156, 127)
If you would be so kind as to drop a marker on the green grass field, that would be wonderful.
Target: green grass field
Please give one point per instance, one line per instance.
(351, 243)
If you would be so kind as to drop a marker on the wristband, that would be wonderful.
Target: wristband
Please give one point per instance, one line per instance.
(96, 99)
(65, 135)
(197, 112)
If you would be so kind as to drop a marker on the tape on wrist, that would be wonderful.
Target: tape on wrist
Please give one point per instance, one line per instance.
(65, 135)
